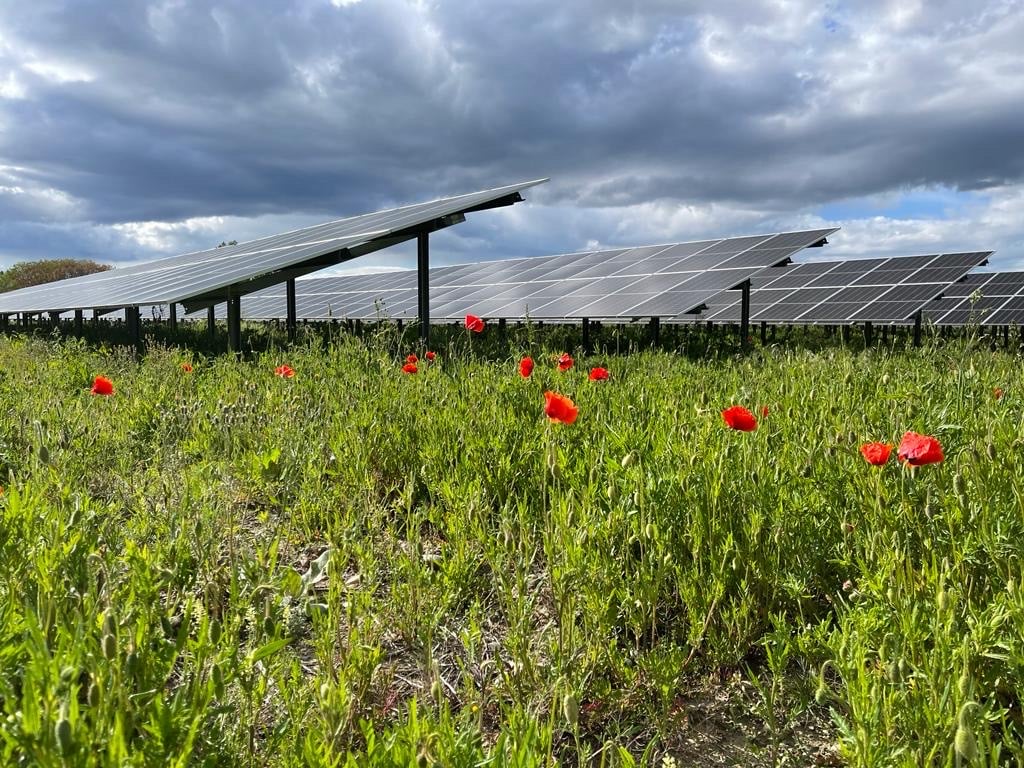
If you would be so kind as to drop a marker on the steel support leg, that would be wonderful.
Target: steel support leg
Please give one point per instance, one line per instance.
(423, 286)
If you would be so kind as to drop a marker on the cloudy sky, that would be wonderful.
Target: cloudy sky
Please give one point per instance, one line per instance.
(132, 130)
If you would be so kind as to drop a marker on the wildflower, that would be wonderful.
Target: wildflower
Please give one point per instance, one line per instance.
(526, 367)
(409, 368)
(764, 411)
(565, 362)
(186, 367)
(997, 393)
(284, 371)
(559, 408)
(411, 359)
(430, 357)
(474, 323)
(917, 449)
(101, 385)
(876, 453)
(738, 417)
(598, 374)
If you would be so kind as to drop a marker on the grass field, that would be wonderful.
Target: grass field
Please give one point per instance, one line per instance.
(360, 567)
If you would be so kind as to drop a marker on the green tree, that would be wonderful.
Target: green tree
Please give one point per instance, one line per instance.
(27, 273)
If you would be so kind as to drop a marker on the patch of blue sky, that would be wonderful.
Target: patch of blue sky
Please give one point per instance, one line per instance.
(939, 203)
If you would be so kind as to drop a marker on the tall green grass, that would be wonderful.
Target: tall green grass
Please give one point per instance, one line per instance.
(357, 567)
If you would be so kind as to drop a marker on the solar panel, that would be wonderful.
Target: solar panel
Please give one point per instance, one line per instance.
(985, 298)
(202, 277)
(890, 290)
(663, 280)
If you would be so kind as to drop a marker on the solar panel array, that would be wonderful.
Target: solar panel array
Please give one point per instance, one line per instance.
(887, 290)
(985, 298)
(648, 281)
(180, 278)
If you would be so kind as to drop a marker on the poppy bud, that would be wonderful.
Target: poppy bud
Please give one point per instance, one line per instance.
(650, 531)
(593, 475)
(636, 498)
(435, 690)
(93, 695)
(958, 484)
(44, 454)
(268, 625)
(109, 647)
(131, 663)
(885, 379)
(628, 459)
(612, 491)
(325, 691)
(892, 672)
(571, 709)
(942, 600)
(890, 594)
(904, 668)
(964, 742)
(990, 451)
(62, 733)
(1011, 587)
(214, 632)
(109, 623)
(218, 681)
(964, 684)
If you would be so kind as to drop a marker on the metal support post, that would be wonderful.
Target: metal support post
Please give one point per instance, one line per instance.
(211, 322)
(917, 329)
(133, 322)
(869, 334)
(172, 318)
(764, 333)
(234, 322)
(745, 315)
(291, 316)
(586, 336)
(79, 320)
(423, 286)
(655, 331)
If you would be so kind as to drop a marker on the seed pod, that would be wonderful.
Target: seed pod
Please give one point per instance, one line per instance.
(62, 733)
(990, 451)
(571, 709)
(109, 647)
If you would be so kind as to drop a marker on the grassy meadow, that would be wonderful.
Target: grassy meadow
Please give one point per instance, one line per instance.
(360, 567)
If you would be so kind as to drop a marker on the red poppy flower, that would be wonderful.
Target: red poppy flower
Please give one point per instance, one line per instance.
(474, 323)
(430, 356)
(284, 371)
(559, 408)
(565, 362)
(409, 368)
(526, 367)
(764, 411)
(411, 359)
(738, 417)
(917, 449)
(997, 393)
(876, 453)
(101, 385)
(598, 374)
(186, 367)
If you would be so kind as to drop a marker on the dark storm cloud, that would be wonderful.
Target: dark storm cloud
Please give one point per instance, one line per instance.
(163, 111)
